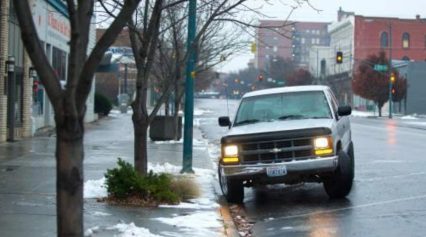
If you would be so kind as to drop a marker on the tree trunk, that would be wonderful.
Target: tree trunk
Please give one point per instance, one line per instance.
(69, 175)
(167, 107)
(379, 107)
(141, 140)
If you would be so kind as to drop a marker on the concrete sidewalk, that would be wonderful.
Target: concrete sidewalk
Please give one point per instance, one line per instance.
(27, 186)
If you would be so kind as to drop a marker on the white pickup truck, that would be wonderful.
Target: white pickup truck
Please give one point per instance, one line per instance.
(287, 135)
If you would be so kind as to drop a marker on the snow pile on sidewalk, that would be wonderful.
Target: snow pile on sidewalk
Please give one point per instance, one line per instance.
(127, 230)
(204, 220)
(95, 188)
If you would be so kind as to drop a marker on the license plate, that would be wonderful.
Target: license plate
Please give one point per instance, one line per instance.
(276, 171)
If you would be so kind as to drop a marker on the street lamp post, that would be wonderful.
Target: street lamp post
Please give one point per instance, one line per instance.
(10, 67)
(390, 70)
(189, 90)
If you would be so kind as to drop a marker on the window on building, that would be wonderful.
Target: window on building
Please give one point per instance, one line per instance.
(313, 41)
(384, 40)
(59, 62)
(275, 49)
(405, 40)
(302, 40)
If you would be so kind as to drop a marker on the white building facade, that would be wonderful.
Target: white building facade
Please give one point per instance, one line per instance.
(53, 28)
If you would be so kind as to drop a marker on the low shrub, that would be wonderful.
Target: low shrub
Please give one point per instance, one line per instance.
(102, 104)
(124, 182)
(185, 187)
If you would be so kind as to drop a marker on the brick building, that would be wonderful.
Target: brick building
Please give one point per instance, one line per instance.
(288, 40)
(11, 46)
(273, 39)
(406, 37)
(357, 37)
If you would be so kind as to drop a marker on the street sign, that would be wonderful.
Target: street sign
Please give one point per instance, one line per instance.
(381, 67)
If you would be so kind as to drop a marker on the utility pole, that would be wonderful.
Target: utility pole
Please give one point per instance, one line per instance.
(189, 90)
(390, 70)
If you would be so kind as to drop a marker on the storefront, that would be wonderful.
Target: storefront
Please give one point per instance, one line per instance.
(22, 96)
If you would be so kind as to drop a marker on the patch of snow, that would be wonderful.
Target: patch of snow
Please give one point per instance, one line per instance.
(98, 213)
(199, 112)
(422, 124)
(95, 188)
(205, 220)
(127, 230)
(169, 142)
(214, 151)
(202, 222)
(199, 142)
(357, 113)
(197, 122)
(287, 228)
(89, 232)
(409, 117)
(269, 219)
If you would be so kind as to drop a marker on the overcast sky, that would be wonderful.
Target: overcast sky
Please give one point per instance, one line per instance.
(388, 8)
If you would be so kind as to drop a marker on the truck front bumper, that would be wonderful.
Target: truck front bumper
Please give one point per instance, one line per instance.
(314, 165)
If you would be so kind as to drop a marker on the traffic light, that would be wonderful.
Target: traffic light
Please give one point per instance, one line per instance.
(393, 91)
(392, 78)
(339, 57)
(253, 47)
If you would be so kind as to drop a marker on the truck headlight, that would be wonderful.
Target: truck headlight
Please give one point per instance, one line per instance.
(323, 146)
(230, 154)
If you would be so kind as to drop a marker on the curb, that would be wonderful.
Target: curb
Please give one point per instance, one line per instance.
(229, 226)
(230, 229)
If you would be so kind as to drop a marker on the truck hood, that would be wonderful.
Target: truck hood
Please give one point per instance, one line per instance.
(280, 125)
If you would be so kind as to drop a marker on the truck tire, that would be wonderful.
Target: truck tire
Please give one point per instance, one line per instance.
(340, 183)
(232, 189)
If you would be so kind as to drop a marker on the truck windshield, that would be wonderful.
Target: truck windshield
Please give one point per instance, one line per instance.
(284, 106)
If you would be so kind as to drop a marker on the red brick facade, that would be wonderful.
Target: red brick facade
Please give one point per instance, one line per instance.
(368, 32)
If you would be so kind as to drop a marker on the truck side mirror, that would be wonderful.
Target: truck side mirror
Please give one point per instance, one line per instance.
(344, 110)
(224, 121)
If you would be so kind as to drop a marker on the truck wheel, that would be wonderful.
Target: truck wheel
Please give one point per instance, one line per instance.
(232, 189)
(340, 183)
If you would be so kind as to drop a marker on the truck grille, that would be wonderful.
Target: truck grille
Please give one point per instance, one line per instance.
(276, 151)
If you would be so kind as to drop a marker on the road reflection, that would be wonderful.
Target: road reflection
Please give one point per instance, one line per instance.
(322, 225)
(391, 132)
(305, 210)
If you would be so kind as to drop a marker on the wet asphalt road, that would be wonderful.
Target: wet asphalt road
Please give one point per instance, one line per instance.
(388, 197)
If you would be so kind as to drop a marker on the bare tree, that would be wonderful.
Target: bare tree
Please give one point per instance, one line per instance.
(69, 103)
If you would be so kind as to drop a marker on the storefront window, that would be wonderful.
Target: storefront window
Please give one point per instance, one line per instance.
(59, 62)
